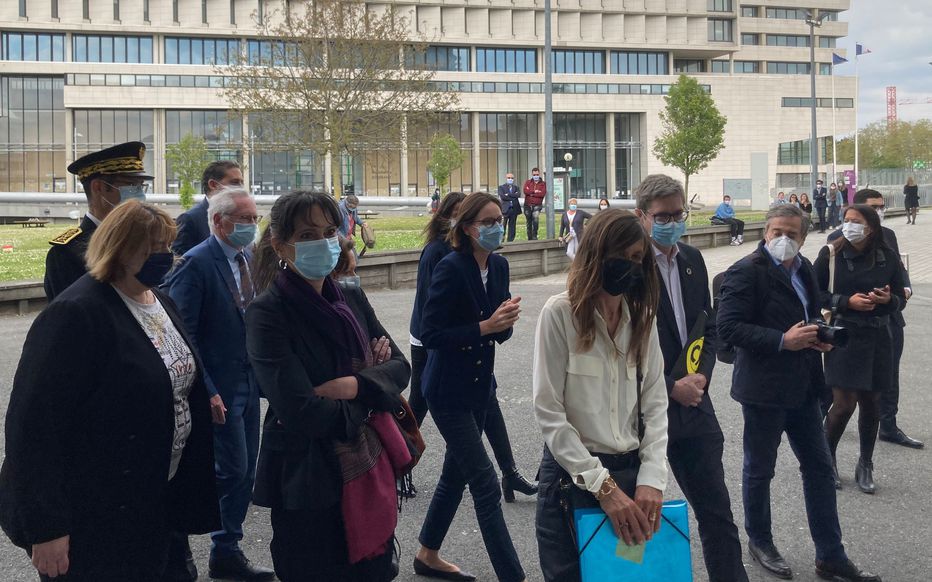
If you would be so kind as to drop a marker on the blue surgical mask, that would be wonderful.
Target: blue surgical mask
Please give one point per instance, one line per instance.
(490, 237)
(243, 235)
(509, 180)
(349, 282)
(536, 178)
(128, 192)
(315, 259)
(667, 235)
(572, 207)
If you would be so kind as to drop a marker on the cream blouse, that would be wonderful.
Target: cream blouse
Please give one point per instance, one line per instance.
(586, 402)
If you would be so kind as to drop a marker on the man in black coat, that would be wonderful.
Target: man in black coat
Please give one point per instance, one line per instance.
(510, 195)
(696, 443)
(820, 199)
(193, 226)
(890, 399)
(110, 176)
(766, 298)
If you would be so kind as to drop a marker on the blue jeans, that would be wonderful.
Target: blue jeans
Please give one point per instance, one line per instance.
(236, 446)
(466, 463)
(763, 429)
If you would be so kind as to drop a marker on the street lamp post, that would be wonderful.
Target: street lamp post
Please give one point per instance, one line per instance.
(813, 143)
(548, 120)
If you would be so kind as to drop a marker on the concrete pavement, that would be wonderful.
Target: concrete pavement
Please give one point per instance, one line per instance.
(887, 533)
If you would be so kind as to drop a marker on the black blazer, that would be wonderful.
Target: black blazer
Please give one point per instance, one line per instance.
(64, 264)
(432, 254)
(579, 221)
(819, 196)
(89, 433)
(510, 195)
(758, 304)
(297, 467)
(694, 282)
(193, 228)
(460, 362)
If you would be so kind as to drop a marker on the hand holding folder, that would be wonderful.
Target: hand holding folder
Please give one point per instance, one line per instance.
(690, 360)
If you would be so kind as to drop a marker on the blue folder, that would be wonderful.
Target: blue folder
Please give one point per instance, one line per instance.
(666, 557)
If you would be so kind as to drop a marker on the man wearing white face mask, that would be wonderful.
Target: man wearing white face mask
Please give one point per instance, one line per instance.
(212, 287)
(109, 177)
(766, 300)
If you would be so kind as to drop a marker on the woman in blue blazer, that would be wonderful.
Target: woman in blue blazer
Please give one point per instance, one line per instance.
(468, 309)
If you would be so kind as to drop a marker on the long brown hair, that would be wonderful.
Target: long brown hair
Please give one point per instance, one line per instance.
(874, 240)
(439, 224)
(470, 209)
(608, 235)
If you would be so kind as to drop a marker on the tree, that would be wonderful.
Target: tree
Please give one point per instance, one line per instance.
(693, 129)
(445, 157)
(337, 77)
(188, 158)
(882, 145)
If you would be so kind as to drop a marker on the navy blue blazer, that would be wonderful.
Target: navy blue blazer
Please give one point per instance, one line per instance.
(758, 305)
(432, 254)
(460, 362)
(193, 228)
(510, 195)
(205, 291)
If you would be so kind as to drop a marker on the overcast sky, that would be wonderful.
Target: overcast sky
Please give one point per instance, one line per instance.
(899, 35)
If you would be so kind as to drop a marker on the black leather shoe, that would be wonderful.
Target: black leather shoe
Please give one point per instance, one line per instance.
(422, 569)
(771, 560)
(864, 475)
(180, 566)
(238, 567)
(843, 572)
(835, 474)
(514, 481)
(898, 437)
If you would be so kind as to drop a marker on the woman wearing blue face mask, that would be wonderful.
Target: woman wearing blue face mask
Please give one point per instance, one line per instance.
(109, 444)
(328, 461)
(571, 227)
(469, 308)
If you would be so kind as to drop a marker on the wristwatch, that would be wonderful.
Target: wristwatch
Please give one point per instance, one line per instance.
(608, 485)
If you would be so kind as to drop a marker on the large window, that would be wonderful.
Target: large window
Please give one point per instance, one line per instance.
(796, 153)
(721, 66)
(750, 11)
(583, 135)
(278, 167)
(221, 130)
(508, 142)
(32, 134)
(841, 102)
(750, 38)
(627, 152)
(787, 40)
(829, 15)
(420, 181)
(782, 68)
(15, 46)
(504, 60)
(721, 6)
(787, 13)
(827, 41)
(688, 66)
(747, 66)
(578, 62)
(440, 58)
(721, 30)
(112, 49)
(96, 129)
(639, 63)
(825, 68)
(201, 51)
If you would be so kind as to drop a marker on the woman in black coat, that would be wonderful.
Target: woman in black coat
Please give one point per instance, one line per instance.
(868, 288)
(109, 442)
(911, 200)
(325, 365)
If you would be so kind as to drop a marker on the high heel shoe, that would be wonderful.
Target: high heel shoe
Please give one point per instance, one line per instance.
(835, 474)
(864, 475)
(514, 481)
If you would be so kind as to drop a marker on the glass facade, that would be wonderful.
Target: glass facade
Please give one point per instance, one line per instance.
(787, 40)
(32, 134)
(578, 62)
(277, 167)
(96, 129)
(201, 51)
(841, 103)
(750, 38)
(827, 42)
(721, 6)
(721, 30)
(721, 66)
(639, 63)
(89, 48)
(628, 128)
(221, 130)
(17, 46)
(750, 11)
(420, 181)
(506, 60)
(688, 66)
(782, 68)
(583, 135)
(747, 66)
(508, 142)
(440, 58)
(786, 13)
(796, 153)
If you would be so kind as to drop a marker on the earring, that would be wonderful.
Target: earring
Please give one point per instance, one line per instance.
(282, 264)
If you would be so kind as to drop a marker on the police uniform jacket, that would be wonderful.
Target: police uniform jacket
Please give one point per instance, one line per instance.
(89, 434)
(64, 263)
(460, 362)
(758, 304)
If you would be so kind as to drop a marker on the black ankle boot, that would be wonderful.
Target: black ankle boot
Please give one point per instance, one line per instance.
(864, 475)
(514, 481)
(835, 474)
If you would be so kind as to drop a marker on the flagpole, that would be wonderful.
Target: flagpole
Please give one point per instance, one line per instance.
(857, 95)
(834, 169)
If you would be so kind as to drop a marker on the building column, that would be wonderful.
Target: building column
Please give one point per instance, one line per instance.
(404, 156)
(610, 141)
(70, 185)
(246, 166)
(161, 171)
(476, 155)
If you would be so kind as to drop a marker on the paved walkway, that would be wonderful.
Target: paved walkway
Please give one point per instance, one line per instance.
(887, 532)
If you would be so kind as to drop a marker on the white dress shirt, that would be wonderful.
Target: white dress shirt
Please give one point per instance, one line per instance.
(586, 402)
(671, 280)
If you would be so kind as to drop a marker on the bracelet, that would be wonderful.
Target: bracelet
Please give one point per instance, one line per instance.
(608, 485)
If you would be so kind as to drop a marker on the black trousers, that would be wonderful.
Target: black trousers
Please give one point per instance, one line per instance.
(737, 226)
(532, 215)
(890, 399)
(697, 465)
(821, 210)
(415, 396)
(511, 224)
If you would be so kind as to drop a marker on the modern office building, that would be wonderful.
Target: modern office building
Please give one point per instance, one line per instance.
(78, 75)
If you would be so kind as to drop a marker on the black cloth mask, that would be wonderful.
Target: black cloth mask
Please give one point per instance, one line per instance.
(155, 268)
(621, 276)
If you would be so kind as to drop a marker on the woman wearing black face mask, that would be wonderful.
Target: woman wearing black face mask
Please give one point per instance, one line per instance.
(596, 349)
(109, 440)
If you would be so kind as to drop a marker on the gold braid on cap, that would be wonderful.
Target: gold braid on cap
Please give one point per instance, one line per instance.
(113, 166)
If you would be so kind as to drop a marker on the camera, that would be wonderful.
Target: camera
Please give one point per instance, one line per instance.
(830, 334)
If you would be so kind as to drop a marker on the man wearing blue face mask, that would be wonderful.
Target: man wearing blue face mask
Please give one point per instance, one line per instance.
(510, 196)
(109, 177)
(212, 287)
(687, 333)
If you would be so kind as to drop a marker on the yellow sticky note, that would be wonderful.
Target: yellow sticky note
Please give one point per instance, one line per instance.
(633, 553)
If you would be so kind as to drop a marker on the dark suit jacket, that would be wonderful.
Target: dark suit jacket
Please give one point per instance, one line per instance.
(819, 197)
(290, 355)
(207, 296)
(64, 264)
(89, 434)
(758, 304)
(432, 254)
(460, 362)
(193, 228)
(510, 195)
(579, 223)
(694, 282)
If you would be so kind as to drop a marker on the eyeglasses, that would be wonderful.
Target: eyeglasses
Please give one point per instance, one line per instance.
(491, 221)
(665, 218)
(244, 218)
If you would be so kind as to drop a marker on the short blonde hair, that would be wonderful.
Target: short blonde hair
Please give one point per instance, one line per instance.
(131, 226)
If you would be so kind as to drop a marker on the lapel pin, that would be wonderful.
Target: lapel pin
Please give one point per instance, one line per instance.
(689, 270)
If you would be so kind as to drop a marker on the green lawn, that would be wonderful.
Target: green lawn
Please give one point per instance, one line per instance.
(26, 260)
